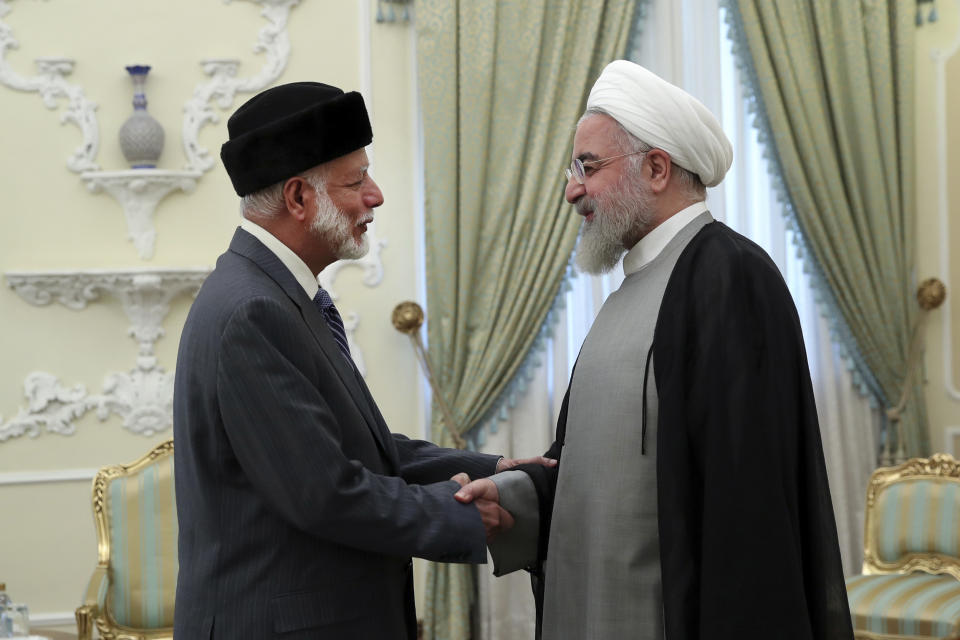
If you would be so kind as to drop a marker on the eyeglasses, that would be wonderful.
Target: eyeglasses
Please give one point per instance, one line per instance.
(578, 168)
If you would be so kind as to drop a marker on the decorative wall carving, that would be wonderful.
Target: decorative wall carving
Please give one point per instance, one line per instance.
(139, 197)
(139, 191)
(143, 396)
(273, 42)
(197, 112)
(51, 84)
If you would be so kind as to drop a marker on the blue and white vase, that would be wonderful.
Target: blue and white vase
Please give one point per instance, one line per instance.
(141, 136)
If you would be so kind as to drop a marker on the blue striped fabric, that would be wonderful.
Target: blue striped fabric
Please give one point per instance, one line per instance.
(888, 516)
(917, 516)
(918, 605)
(141, 511)
(150, 613)
(119, 553)
(102, 594)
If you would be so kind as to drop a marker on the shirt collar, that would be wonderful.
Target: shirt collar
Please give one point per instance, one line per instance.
(285, 254)
(650, 245)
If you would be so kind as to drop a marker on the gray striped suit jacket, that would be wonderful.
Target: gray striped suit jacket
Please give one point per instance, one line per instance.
(298, 509)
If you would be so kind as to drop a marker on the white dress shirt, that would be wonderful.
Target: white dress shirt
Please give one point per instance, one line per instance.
(650, 245)
(290, 260)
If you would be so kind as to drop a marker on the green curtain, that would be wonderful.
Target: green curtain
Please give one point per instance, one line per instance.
(833, 83)
(502, 84)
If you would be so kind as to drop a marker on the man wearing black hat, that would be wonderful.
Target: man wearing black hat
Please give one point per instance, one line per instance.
(298, 509)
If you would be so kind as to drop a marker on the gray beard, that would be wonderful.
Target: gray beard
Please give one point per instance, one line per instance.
(332, 225)
(618, 216)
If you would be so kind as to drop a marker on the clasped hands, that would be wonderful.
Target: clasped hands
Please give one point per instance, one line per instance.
(484, 493)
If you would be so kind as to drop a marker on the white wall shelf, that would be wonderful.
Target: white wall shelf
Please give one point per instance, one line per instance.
(139, 191)
(143, 396)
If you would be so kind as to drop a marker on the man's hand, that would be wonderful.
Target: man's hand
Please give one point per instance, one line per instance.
(508, 463)
(480, 489)
(484, 494)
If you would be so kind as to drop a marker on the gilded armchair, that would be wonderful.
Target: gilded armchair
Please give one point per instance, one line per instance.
(131, 593)
(910, 585)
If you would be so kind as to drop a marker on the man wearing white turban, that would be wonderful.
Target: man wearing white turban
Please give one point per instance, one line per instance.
(691, 498)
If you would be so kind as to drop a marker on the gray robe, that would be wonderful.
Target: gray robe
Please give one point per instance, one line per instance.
(603, 568)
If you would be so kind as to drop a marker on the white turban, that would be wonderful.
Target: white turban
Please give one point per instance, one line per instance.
(665, 117)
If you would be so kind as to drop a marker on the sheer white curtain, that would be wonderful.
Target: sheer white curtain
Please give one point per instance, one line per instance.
(685, 42)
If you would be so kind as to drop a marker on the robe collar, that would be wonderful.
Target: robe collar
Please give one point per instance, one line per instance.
(650, 245)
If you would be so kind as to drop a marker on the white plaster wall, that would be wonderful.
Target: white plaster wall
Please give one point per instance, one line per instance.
(937, 254)
(48, 221)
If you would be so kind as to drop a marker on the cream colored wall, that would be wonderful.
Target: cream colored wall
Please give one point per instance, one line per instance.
(48, 221)
(937, 255)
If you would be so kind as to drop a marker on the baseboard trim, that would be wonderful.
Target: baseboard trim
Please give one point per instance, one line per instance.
(52, 619)
(42, 477)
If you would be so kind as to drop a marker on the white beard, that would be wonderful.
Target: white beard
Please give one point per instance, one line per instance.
(620, 213)
(333, 226)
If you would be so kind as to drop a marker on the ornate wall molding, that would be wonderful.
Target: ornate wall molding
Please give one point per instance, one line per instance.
(223, 85)
(139, 197)
(940, 58)
(143, 396)
(51, 84)
(139, 191)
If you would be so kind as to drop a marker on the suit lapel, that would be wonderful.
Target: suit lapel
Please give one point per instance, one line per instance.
(248, 246)
(378, 420)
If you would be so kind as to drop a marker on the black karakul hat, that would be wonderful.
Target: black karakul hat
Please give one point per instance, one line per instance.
(290, 128)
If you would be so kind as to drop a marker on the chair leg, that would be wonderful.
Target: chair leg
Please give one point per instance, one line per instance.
(84, 616)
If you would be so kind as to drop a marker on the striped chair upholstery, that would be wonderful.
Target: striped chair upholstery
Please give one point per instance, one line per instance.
(910, 586)
(905, 605)
(917, 515)
(131, 594)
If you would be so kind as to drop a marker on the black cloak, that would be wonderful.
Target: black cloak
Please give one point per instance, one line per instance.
(748, 541)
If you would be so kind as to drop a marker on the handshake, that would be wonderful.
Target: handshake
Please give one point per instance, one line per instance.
(484, 493)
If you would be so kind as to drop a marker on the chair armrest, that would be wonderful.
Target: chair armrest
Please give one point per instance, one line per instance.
(93, 601)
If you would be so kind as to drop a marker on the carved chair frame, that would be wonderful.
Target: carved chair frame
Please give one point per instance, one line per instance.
(90, 613)
(941, 467)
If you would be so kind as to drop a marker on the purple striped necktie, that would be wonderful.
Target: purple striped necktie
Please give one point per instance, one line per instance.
(334, 321)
